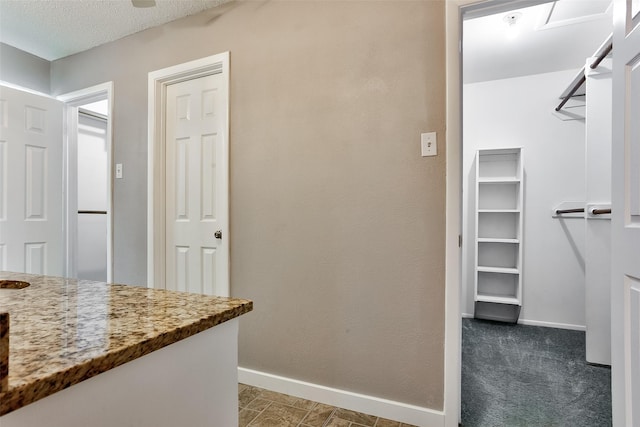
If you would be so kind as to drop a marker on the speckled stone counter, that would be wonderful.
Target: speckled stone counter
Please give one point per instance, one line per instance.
(64, 331)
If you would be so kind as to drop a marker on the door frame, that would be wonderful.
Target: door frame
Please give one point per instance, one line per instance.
(455, 9)
(72, 102)
(157, 85)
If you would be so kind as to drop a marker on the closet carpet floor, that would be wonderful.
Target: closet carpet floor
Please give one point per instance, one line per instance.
(530, 376)
(264, 408)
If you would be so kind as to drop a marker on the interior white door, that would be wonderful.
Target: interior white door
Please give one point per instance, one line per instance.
(197, 241)
(625, 268)
(31, 204)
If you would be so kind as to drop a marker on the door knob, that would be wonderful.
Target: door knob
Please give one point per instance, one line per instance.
(218, 234)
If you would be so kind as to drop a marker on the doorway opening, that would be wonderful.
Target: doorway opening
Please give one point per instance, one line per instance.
(520, 163)
(88, 182)
(92, 176)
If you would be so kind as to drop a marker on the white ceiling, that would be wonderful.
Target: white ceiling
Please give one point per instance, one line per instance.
(52, 29)
(548, 37)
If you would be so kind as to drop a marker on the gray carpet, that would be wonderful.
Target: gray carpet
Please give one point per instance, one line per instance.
(529, 376)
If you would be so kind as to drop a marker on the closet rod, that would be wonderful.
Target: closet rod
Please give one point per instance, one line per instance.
(572, 91)
(566, 211)
(93, 212)
(581, 210)
(93, 114)
(607, 50)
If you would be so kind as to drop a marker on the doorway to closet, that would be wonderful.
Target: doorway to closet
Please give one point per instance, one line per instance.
(92, 165)
(516, 65)
(88, 182)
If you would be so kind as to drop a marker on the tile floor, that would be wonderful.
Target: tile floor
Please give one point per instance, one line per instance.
(264, 408)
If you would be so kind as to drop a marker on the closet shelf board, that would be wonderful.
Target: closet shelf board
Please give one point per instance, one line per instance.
(499, 210)
(503, 270)
(499, 180)
(496, 240)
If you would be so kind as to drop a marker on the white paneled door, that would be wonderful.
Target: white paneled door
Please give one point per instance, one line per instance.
(31, 222)
(197, 249)
(625, 266)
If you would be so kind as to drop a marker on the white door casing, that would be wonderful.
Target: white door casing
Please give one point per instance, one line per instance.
(162, 164)
(195, 258)
(73, 101)
(31, 178)
(625, 223)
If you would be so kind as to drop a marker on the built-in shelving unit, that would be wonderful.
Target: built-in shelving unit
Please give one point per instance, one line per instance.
(498, 239)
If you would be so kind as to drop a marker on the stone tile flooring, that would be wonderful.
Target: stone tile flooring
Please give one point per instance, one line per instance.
(264, 408)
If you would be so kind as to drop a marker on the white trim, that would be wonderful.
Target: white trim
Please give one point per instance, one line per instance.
(72, 101)
(541, 323)
(157, 84)
(371, 405)
(552, 325)
(480, 8)
(453, 265)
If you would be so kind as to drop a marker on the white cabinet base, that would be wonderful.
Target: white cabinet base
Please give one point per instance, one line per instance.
(193, 382)
(500, 312)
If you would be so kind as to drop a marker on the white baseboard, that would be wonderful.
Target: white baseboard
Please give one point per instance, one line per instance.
(541, 323)
(552, 325)
(371, 405)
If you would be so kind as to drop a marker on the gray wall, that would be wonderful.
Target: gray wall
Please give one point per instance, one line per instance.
(337, 222)
(23, 69)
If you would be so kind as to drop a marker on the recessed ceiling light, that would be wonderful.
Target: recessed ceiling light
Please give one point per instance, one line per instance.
(512, 18)
(512, 29)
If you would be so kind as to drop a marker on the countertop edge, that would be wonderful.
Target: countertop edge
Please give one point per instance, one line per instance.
(18, 397)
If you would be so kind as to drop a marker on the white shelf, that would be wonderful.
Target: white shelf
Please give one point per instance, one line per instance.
(498, 210)
(496, 240)
(499, 180)
(498, 299)
(501, 270)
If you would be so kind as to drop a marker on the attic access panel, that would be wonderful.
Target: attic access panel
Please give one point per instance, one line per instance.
(564, 12)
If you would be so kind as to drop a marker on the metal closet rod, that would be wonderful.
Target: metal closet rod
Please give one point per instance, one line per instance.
(93, 212)
(600, 211)
(581, 210)
(607, 50)
(566, 211)
(573, 90)
(583, 79)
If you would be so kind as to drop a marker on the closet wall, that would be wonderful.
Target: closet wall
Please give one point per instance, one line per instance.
(517, 112)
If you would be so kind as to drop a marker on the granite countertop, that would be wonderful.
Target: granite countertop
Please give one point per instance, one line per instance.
(64, 331)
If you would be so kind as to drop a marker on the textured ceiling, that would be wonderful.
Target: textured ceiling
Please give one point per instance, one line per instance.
(52, 29)
(553, 36)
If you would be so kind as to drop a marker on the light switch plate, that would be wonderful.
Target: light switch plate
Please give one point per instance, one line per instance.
(428, 144)
(118, 170)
